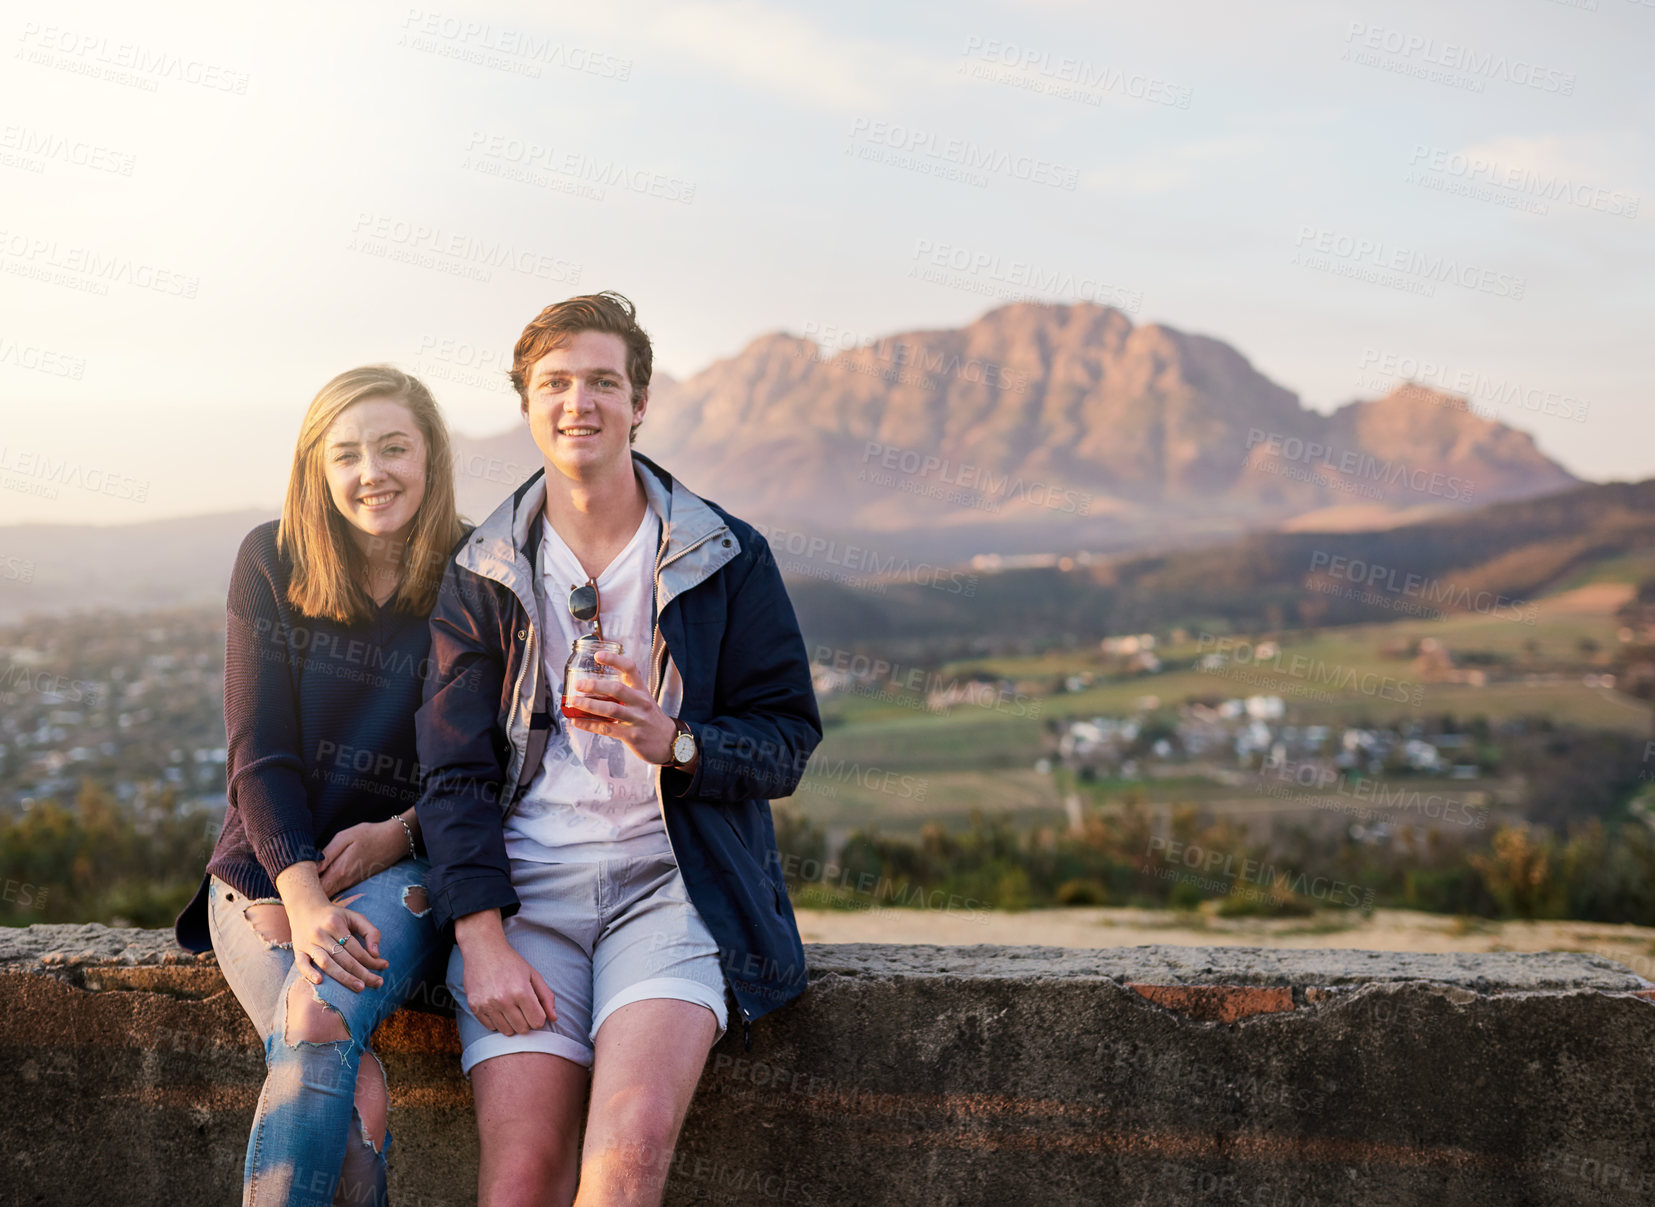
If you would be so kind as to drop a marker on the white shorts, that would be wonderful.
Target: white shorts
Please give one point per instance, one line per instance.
(603, 934)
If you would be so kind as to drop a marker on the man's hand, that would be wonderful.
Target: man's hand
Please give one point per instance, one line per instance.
(354, 854)
(503, 990)
(629, 712)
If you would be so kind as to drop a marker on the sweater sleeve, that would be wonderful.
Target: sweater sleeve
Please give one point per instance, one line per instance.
(261, 716)
(460, 805)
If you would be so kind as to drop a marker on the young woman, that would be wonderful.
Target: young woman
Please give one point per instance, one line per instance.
(314, 898)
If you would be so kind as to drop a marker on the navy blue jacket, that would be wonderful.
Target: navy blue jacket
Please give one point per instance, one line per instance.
(726, 620)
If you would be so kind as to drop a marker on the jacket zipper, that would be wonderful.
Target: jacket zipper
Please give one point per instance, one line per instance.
(655, 629)
(660, 771)
(516, 695)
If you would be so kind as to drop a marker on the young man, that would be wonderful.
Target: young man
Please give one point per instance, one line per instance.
(606, 876)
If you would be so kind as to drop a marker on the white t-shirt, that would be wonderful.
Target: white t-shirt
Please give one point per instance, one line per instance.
(593, 798)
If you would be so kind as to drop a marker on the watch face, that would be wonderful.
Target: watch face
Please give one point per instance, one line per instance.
(683, 748)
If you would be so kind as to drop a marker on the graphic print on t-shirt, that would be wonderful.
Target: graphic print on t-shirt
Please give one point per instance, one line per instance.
(592, 797)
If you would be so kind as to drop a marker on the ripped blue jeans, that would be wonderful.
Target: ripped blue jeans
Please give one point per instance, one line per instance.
(309, 1144)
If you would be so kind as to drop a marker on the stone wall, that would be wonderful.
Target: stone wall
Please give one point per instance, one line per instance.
(927, 1075)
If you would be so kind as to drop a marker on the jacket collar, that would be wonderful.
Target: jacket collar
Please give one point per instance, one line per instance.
(505, 545)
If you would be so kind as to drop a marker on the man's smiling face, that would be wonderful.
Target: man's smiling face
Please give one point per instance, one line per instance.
(580, 405)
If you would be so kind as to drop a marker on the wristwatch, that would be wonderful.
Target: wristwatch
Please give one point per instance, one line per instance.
(683, 746)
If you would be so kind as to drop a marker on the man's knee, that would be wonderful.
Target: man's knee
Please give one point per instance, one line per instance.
(310, 1019)
(528, 1173)
(646, 1119)
(640, 1155)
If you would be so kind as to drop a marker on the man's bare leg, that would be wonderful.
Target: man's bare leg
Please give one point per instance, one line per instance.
(648, 1061)
(528, 1123)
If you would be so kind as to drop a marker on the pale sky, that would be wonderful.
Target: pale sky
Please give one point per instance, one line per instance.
(208, 212)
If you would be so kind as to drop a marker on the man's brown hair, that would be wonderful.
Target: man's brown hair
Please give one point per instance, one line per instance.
(556, 325)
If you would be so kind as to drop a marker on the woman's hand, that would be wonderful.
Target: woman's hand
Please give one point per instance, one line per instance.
(318, 924)
(316, 931)
(354, 854)
(503, 990)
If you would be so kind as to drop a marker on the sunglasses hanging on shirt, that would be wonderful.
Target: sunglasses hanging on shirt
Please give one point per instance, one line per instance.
(583, 605)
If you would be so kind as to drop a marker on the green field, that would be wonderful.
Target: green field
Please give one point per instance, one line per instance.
(981, 758)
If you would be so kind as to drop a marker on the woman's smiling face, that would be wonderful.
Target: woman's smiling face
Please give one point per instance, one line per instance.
(375, 456)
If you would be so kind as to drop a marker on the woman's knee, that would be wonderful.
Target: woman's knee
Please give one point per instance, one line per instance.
(310, 1019)
(373, 1099)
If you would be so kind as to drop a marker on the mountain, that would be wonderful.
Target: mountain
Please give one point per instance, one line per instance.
(54, 568)
(1043, 427)
(1035, 428)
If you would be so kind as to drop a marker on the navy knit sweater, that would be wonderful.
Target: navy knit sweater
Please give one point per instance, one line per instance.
(319, 718)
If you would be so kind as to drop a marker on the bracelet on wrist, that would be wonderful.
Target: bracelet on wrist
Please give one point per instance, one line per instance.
(406, 829)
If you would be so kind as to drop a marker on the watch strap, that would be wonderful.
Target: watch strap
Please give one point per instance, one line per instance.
(683, 728)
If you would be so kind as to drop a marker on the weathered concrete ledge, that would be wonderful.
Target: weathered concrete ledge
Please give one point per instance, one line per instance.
(928, 1075)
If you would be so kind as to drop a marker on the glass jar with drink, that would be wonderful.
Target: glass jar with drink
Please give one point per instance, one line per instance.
(583, 664)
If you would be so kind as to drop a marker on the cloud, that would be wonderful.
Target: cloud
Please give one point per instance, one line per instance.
(1174, 167)
(782, 53)
(1577, 159)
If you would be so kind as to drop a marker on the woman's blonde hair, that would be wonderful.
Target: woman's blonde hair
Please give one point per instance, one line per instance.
(328, 567)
